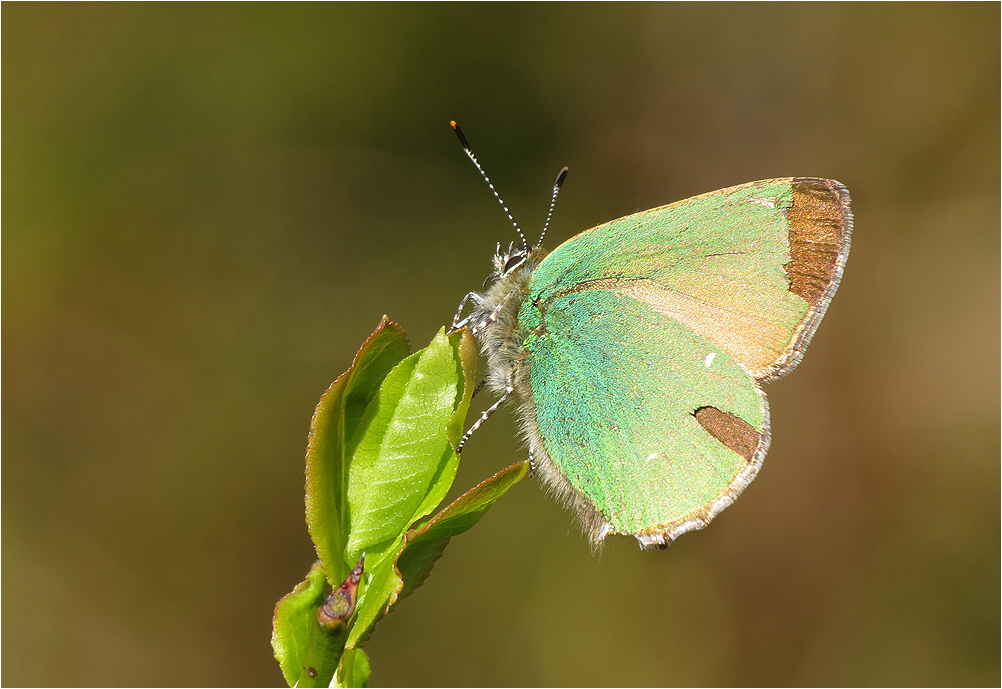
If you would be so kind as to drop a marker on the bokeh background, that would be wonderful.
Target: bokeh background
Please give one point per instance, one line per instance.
(207, 208)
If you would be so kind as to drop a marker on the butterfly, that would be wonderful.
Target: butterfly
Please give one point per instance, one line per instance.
(637, 349)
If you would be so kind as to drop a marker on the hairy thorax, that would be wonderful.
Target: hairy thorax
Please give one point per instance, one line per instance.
(502, 336)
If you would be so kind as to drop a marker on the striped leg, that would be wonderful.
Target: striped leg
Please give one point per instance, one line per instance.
(478, 387)
(457, 320)
(492, 316)
(509, 389)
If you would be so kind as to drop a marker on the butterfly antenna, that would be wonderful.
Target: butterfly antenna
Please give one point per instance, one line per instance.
(553, 201)
(469, 151)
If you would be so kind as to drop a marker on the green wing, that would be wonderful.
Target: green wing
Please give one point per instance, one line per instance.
(645, 426)
(751, 268)
(645, 339)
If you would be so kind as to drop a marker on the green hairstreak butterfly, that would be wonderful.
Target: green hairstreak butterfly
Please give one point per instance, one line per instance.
(637, 349)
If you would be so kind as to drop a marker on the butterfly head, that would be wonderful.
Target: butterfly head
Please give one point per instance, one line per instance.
(507, 261)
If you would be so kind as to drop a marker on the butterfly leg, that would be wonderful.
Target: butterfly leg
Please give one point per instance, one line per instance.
(478, 387)
(458, 321)
(509, 389)
(492, 316)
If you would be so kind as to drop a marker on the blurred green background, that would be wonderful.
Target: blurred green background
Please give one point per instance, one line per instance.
(207, 208)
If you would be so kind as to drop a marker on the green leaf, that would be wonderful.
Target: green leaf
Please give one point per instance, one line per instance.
(358, 661)
(465, 354)
(381, 457)
(294, 613)
(401, 447)
(381, 592)
(417, 551)
(307, 654)
(423, 546)
(441, 482)
(333, 428)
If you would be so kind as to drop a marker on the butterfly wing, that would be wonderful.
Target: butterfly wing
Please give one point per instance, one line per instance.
(647, 338)
(645, 426)
(752, 268)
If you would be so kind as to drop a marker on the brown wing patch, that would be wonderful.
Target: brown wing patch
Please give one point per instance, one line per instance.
(734, 432)
(818, 219)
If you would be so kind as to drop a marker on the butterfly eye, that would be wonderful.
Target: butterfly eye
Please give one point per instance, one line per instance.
(513, 262)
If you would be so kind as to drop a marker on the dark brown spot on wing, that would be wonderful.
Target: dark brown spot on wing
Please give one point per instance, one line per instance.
(818, 218)
(734, 432)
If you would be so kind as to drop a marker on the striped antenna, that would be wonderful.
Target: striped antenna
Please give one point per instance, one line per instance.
(466, 147)
(553, 201)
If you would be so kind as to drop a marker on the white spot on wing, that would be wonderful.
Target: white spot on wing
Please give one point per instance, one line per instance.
(768, 201)
(653, 455)
(709, 359)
